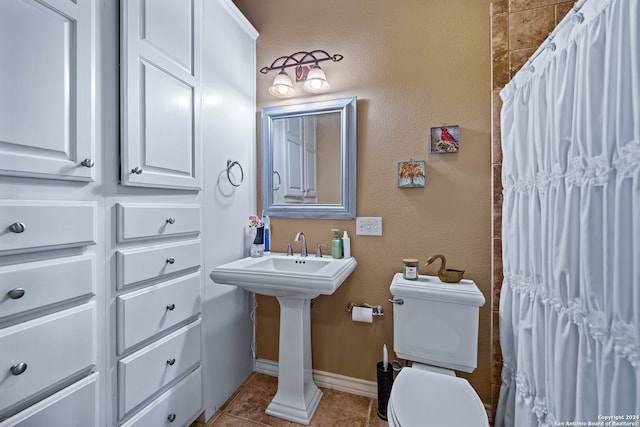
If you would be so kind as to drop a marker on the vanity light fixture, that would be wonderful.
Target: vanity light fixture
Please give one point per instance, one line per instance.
(315, 80)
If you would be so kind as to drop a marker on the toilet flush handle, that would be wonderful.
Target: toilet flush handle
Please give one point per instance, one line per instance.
(398, 301)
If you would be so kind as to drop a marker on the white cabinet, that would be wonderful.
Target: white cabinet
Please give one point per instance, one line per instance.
(143, 221)
(151, 262)
(160, 64)
(177, 406)
(149, 311)
(47, 351)
(296, 157)
(29, 226)
(48, 315)
(34, 286)
(46, 82)
(50, 340)
(73, 406)
(147, 371)
(158, 312)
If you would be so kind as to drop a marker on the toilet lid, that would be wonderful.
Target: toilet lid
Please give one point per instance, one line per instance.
(443, 400)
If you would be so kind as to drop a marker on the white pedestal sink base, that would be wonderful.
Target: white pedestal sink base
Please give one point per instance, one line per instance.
(294, 281)
(297, 397)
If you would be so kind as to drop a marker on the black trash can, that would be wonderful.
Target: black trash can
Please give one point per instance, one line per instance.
(385, 381)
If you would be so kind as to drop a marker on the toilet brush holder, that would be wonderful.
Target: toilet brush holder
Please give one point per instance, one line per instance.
(385, 381)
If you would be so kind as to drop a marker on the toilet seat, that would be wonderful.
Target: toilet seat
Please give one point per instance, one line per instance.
(422, 398)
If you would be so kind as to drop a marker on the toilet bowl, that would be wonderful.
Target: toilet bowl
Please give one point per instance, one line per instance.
(435, 327)
(422, 399)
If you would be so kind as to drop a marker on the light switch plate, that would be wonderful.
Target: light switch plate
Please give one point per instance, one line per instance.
(369, 226)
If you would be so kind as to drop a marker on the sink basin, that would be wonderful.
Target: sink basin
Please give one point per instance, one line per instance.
(281, 275)
(294, 281)
(296, 265)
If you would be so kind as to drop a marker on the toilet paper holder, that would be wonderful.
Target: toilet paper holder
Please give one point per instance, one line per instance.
(377, 309)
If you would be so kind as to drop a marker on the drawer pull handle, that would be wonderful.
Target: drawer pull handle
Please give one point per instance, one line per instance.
(16, 293)
(18, 368)
(137, 170)
(17, 227)
(170, 307)
(171, 361)
(171, 260)
(171, 220)
(87, 163)
(171, 417)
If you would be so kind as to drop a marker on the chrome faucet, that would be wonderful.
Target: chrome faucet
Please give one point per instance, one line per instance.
(303, 251)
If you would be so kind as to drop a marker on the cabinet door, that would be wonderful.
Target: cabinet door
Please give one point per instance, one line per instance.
(310, 161)
(300, 159)
(161, 144)
(46, 82)
(294, 158)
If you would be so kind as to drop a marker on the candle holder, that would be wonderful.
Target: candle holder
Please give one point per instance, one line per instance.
(385, 382)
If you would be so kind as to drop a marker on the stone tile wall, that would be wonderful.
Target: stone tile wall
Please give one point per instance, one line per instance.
(518, 27)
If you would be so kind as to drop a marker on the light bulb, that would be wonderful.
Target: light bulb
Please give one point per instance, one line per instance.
(282, 86)
(316, 81)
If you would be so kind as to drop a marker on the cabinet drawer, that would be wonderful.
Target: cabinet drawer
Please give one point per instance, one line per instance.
(148, 370)
(149, 311)
(74, 406)
(150, 262)
(181, 403)
(33, 226)
(141, 221)
(34, 285)
(53, 347)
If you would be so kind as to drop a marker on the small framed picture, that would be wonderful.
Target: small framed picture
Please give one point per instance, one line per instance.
(445, 139)
(411, 174)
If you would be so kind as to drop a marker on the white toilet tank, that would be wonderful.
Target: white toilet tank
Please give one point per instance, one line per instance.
(437, 323)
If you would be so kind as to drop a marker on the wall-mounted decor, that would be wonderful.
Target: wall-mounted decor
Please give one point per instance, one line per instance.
(445, 139)
(411, 174)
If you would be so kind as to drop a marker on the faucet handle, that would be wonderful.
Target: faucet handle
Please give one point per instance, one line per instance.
(319, 250)
(289, 249)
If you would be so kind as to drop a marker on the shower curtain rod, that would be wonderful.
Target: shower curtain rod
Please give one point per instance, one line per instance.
(548, 42)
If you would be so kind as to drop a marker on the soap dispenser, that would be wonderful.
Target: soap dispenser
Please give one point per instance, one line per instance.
(336, 244)
(346, 245)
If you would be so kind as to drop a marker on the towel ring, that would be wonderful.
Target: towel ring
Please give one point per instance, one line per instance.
(231, 164)
(276, 173)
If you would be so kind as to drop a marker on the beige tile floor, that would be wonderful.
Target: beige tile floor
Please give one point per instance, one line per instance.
(337, 409)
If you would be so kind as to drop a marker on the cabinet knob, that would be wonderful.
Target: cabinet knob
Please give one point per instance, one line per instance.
(171, 260)
(171, 220)
(137, 170)
(171, 361)
(17, 227)
(171, 417)
(18, 368)
(87, 163)
(16, 293)
(171, 306)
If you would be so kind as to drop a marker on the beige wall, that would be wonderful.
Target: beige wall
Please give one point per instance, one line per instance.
(413, 64)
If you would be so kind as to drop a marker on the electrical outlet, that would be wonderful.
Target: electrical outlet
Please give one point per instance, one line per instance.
(369, 226)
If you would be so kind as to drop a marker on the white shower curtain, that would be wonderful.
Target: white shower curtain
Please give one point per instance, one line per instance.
(570, 300)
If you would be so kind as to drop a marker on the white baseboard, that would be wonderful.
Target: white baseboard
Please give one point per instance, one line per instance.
(326, 379)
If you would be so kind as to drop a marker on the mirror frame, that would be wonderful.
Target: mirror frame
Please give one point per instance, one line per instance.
(346, 209)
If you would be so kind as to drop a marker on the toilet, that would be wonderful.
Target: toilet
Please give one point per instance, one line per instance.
(435, 327)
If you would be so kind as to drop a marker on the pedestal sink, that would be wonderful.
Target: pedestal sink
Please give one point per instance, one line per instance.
(294, 281)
